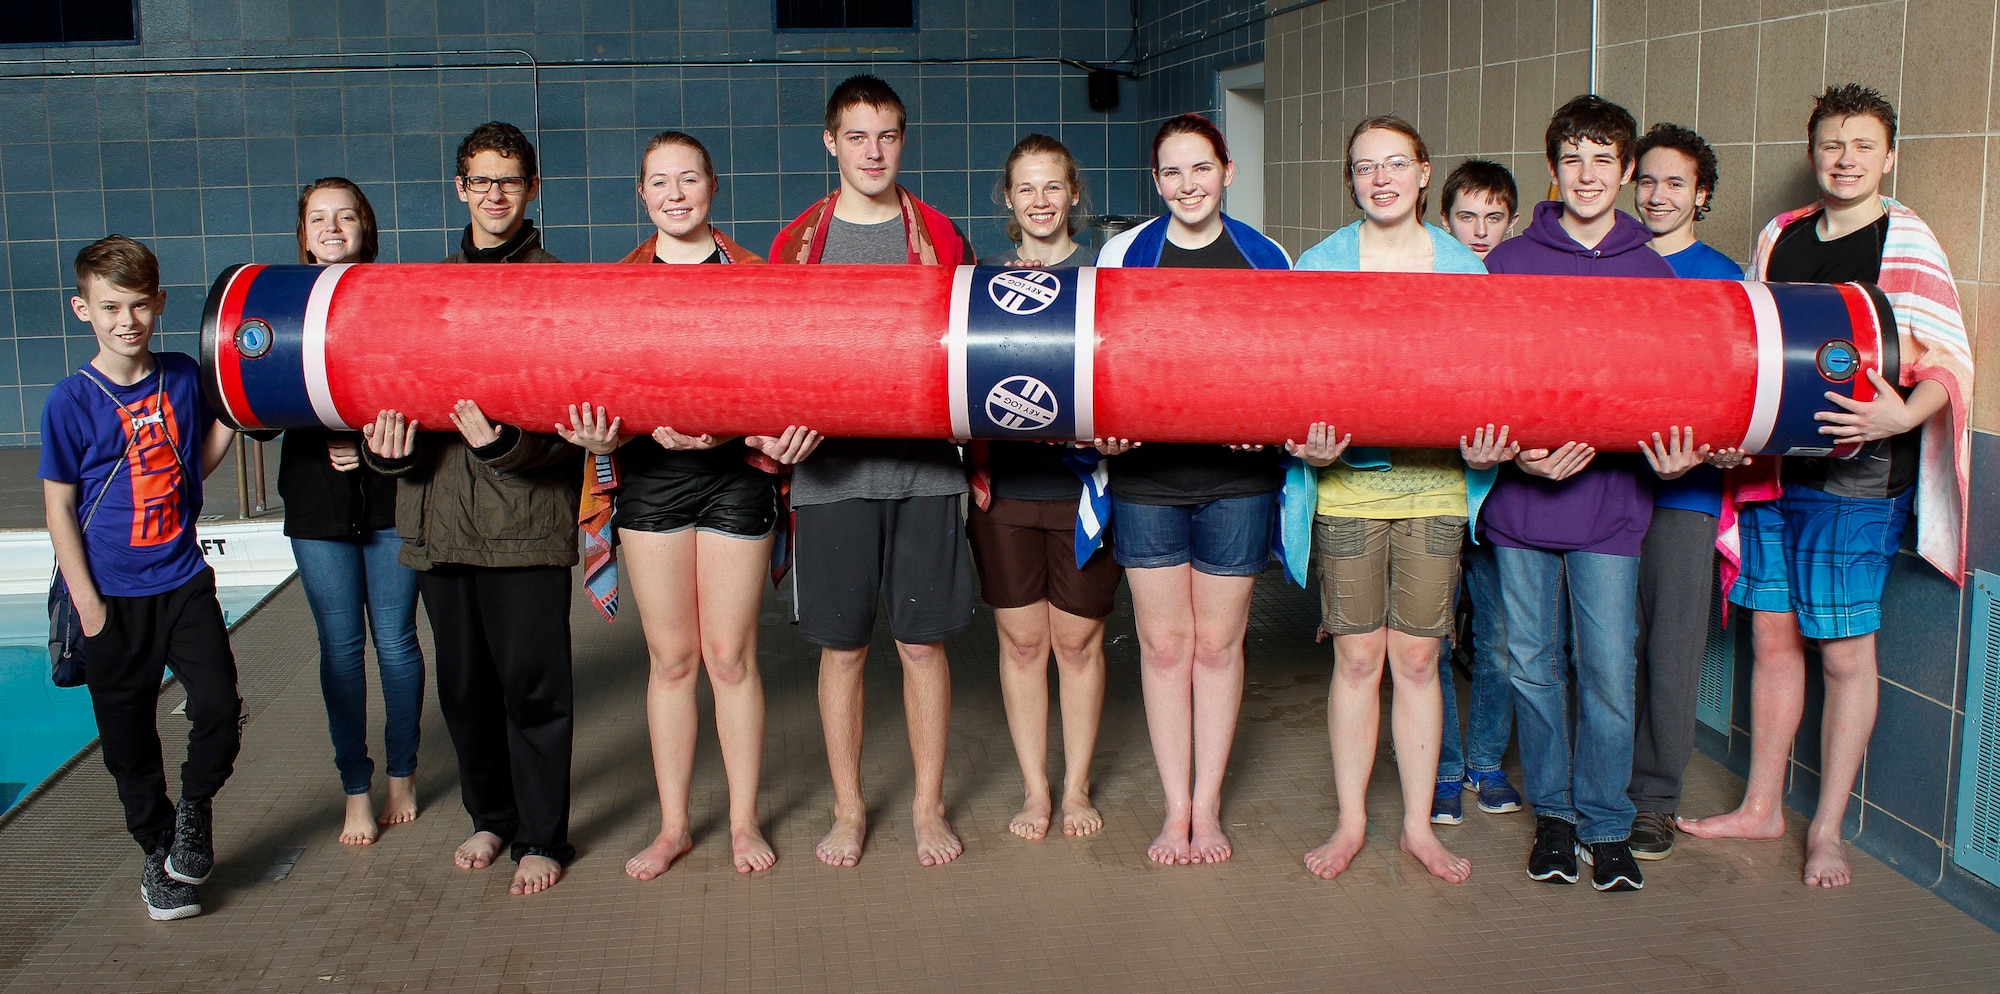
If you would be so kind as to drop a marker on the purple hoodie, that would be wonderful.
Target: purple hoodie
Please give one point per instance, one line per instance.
(1607, 507)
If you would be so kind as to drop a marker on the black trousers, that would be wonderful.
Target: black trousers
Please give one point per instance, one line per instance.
(123, 665)
(503, 679)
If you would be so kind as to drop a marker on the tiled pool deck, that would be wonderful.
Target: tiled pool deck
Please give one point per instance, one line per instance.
(1087, 915)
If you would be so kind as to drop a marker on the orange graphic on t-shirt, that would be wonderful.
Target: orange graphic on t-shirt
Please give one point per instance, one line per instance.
(155, 472)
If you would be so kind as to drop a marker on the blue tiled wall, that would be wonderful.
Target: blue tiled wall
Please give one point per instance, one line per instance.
(1182, 44)
(198, 139)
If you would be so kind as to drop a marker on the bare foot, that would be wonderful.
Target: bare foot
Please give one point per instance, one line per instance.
(535, 875)
(937, 844)
(1171, 845)
(1032, 821)
(402, 803)
(1333, 858)
(358, 827)
(1741, 823)
(748, 848)
(842, 844)
(478, 852)
(1442, 863)
(1826, 862)
(655, 858)
(1207, 844)
(1079, 817)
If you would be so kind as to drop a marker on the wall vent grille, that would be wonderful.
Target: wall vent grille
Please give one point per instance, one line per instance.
(1714, 695)
(1976, 844)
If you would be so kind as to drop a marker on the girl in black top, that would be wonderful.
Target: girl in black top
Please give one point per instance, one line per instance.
(341, 518)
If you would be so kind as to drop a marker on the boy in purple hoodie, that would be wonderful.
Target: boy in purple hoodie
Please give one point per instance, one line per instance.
(1564, 516)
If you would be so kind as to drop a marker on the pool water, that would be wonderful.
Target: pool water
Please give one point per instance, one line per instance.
(45, 725)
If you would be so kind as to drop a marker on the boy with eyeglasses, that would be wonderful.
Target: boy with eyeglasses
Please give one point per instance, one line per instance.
(1566, 528)
(496, 586)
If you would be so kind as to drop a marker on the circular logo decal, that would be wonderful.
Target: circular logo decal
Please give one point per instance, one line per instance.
(253, 338)
(1021, 403)
(1024, 291)
(1838, 361)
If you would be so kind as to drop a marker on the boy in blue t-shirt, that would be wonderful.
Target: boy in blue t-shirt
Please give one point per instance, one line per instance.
(1675, 187)
(121, 440)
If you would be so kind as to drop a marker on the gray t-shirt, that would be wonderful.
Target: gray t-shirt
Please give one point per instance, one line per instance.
(875, 468)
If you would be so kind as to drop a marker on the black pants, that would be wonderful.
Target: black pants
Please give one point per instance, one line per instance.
(123, 665)
(503, 679)
(1676, 583)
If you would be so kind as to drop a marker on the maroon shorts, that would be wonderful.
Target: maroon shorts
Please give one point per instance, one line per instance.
(1025, 551)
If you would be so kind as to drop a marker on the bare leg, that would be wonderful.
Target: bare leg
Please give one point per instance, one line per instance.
(358, 826)
(661, 573)
(730, 578)
(1024, 687)
(402, 803)
(1851, 692)
(1417, 722)
(1221, 615)
(840, 713)
(927, 705)
(534, 875)
(1079, 646)
(1163, 609)
(1777, 701)
(478, 852)
(1354, 724)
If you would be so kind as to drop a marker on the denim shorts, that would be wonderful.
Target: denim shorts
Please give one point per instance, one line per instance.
(1226, 537)
(1821, 556)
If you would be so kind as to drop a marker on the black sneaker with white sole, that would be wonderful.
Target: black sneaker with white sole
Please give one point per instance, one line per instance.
(192, 857)
(1553, 860)
(1612, 866)
(166, 898)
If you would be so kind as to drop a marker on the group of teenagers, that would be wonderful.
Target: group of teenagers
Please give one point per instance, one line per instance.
(1581, 569)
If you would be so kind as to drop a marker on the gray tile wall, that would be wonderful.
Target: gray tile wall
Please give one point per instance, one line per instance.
(198, 139)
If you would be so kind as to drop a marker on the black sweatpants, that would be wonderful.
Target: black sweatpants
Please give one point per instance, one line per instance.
(123, 665)
(1676, 583)
(503, 679)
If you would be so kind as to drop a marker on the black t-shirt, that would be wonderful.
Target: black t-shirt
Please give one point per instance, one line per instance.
(1881, 469)
(1179, 474)
(713, 257)
(1034, 470)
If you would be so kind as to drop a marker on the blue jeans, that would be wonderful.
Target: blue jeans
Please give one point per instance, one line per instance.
(1582, 781)
(353, 586)
(1492, 692)
(1228, 536)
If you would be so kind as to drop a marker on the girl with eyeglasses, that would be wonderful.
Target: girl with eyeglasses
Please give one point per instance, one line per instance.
(1192, 523)
(1388, 526)
(696, 518)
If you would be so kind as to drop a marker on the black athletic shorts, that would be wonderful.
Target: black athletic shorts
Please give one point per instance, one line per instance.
(740, 501)
(850, 553)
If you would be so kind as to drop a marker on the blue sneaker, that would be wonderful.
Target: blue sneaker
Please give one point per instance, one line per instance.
(1496, 795)
(1446, 808)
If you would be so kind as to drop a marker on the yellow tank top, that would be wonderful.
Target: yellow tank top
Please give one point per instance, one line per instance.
(1420, 483)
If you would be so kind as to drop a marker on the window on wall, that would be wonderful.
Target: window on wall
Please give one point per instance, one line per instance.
(70, 22)
(845, 15)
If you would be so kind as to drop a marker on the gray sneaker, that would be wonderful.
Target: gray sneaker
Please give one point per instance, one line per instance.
(1652, 835)
(166, 898)
(192, 857)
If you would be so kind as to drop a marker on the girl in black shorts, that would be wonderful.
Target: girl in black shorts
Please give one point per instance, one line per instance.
(696, 521)
(1023, 539)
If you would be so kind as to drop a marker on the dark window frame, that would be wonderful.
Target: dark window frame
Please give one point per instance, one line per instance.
(104, 6)
(779, 26)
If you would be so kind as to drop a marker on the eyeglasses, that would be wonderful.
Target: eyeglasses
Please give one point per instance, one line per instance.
(1395, 165)
(481, 184)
